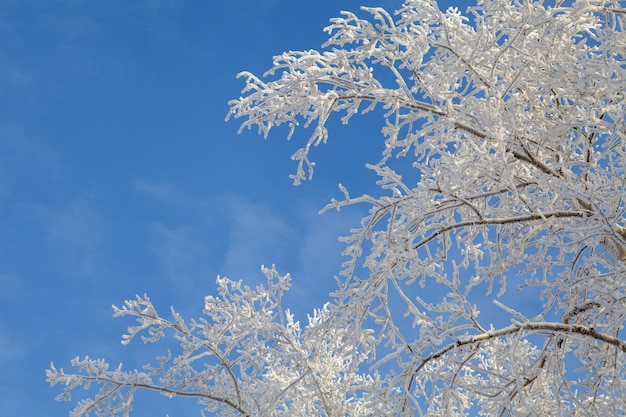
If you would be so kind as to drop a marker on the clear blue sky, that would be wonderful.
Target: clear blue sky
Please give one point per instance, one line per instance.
(119, 176)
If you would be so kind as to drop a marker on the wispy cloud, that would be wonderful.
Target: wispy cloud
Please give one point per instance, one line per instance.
(11, 348)
(74, 235)
(39, 215)
(256, 235)
(163, 192)
(24, 160)
(59, 53)
(181, 251)
(251, 233)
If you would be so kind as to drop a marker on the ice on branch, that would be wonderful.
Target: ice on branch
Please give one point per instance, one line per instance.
(487, 277)
(245, 356)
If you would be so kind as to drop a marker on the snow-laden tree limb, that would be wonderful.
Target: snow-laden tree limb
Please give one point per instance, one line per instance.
(245, 357)
(492, 282)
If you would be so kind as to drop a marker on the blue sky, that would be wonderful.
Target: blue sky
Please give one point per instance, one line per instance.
(119, 176)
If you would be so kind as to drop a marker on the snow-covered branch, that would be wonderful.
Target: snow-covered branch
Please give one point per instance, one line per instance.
(501, 182)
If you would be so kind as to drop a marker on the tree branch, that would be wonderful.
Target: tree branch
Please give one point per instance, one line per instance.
(529, 326)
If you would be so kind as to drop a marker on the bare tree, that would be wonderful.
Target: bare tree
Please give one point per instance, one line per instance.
(511, 121)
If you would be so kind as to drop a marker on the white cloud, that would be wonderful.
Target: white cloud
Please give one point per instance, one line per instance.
(194, 239)
(162, 192)
(256, 235)
(10, 347)
(23, 160)
(39, 216)
(181, 253)
(75, 236)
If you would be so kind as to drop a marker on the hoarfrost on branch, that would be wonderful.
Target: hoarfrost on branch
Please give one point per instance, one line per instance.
(511, 117)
